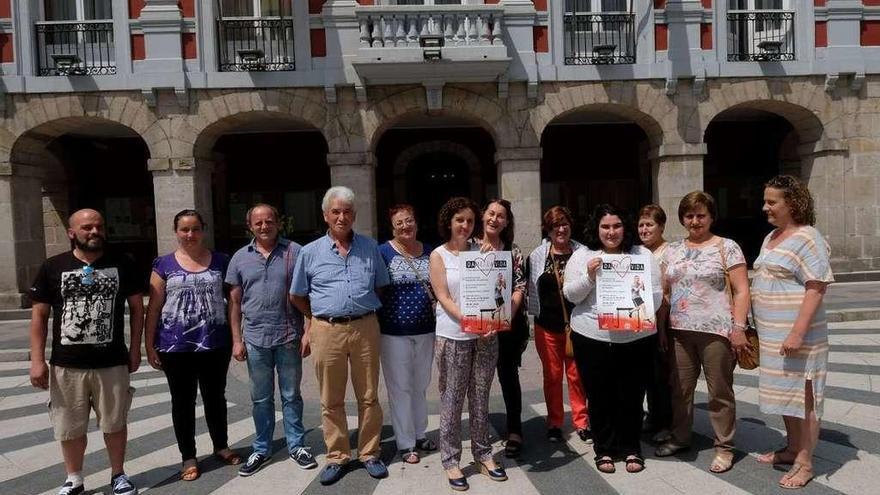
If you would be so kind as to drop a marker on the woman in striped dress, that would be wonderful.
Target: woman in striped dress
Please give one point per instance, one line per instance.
(791, 275)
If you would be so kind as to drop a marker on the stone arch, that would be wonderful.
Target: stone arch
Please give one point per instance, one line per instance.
(642, 103)
(408, 154)
(253, 120)
(54, 115)
(469, 104)
(804, 121)
(215, 112)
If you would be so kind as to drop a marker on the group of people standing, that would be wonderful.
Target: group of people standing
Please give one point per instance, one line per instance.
(353, 304)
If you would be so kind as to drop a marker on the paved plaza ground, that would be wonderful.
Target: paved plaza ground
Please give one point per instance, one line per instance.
(848, 455)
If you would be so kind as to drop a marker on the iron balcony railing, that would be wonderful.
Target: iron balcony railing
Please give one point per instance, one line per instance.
(255, 44)
(760, 35)
(598, 38)
(68, 48)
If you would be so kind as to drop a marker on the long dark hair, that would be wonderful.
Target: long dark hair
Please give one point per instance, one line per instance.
(506, 234)
(591, 231)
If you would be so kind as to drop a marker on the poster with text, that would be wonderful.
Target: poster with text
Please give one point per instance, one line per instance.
(485, 290)
(624, 296)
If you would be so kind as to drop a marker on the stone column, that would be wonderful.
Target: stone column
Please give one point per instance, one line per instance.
(675, 171)
(519, 181)
(357, 171)
(180, 183)
(22, 248)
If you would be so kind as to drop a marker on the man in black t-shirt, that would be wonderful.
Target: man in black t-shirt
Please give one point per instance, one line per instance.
(86, 289)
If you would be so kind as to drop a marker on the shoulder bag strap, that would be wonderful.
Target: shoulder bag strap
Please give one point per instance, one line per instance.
(559, 288)
(412, 266)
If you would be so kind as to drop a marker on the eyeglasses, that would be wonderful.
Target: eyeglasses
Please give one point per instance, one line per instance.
(88, 277)
(405, 222)
(562, 226)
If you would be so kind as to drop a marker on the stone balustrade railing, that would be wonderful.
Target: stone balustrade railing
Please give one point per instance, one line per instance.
(405, 26)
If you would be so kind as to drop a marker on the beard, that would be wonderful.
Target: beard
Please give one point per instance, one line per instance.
(94, 244)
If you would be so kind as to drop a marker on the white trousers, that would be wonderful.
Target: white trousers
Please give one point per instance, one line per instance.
(406, 363)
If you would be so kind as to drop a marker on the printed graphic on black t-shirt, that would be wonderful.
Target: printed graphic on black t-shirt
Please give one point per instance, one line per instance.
(89, 302)
(88, 308)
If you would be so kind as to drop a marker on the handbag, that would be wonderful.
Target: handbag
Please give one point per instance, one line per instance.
(751, 359)
(569, 350)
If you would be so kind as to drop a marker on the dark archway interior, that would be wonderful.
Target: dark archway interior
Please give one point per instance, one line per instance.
(110, 174)
(286, 169)
(431, 178)
(746, 148)
(594, 158)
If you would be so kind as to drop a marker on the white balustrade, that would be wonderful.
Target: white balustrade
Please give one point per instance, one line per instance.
(403, 26)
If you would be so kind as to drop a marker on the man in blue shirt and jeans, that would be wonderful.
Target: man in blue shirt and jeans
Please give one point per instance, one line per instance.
(335, 284)
(272, 339)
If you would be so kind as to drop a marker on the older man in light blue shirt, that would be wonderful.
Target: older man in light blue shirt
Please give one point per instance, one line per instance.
(335, 284)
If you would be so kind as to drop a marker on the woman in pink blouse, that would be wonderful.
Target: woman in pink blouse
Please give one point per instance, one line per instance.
(706, 325)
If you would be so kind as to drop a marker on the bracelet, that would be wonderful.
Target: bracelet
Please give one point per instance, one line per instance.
(741, 326)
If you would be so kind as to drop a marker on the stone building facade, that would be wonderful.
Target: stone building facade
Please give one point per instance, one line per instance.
(520, 96)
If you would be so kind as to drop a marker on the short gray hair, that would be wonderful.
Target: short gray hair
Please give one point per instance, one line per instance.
(337, 192)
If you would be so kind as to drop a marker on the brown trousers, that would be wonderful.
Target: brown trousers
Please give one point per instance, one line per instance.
(691, 352)
(334, 347)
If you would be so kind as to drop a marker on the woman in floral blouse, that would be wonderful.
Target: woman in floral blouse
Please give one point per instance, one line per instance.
(706, 325)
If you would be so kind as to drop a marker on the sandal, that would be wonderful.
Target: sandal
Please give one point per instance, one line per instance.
(190, 473)
(426, 444)
(228, 456)
(634, 460)
(605, 464)
(776, 457)
(797, 477)
(512, 448)
(410, 456)
(669, 448)
(721, 463)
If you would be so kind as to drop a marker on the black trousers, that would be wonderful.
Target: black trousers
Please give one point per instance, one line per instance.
(659, 392)
(188, 372)
(614, 378)
(509, 359)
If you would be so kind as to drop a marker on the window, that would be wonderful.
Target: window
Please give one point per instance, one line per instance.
(760, 30)
(256, 8)
(77, 10)
(423, 2)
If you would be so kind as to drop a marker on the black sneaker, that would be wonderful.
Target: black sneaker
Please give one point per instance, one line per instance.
(303, 458)
(254, 463)
(68, 489)
(554, 435)
(122, 485)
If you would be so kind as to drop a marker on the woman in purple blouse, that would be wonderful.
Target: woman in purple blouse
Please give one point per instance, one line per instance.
(188, 337)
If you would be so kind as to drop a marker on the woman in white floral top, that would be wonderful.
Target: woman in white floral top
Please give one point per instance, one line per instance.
(706, 325)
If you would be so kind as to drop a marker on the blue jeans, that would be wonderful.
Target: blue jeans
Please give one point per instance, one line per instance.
(262, 363)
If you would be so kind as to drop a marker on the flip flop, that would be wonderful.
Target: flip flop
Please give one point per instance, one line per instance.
(230, 457)
(410, 456)
(792, 474)
(775, 457)
(638, 461)
(721, 463)
(190, 474)
(605, 464)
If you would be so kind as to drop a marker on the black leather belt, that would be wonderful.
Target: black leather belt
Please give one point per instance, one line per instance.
(342, 319)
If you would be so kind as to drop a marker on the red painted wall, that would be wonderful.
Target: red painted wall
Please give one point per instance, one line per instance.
(706, 36)
(315, 6)
(6, 53)
(365, 2)
(134, 8)
(869, 2)
(707, 4)
(819, 3)
(661, 37)
(318, 38)
(188, 7)
(821, 33)
(5, 9)
(138, 49)
(870, 33)
(189, 46)
(540, 5)
(542, 43)
(659, 4)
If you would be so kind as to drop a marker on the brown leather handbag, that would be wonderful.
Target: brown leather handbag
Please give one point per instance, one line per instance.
(751, 359)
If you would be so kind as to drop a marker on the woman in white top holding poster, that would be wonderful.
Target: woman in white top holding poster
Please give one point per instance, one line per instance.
(614, 365)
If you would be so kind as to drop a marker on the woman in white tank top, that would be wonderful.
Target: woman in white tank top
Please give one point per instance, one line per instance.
(463, 360)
